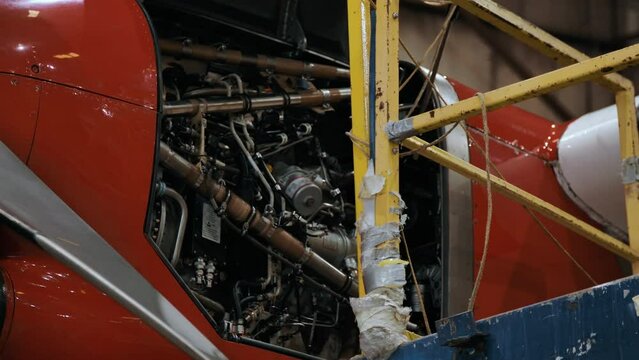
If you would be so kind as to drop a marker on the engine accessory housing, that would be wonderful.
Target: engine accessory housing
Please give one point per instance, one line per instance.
(299, 187)
(333, 245)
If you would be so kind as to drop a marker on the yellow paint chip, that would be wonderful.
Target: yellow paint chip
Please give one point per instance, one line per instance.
(70, 55)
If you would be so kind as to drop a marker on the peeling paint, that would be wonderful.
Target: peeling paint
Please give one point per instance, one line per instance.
(585, 347)
(582, 347)
(635, 300)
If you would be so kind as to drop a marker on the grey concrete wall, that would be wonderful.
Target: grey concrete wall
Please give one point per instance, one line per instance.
(471, 60)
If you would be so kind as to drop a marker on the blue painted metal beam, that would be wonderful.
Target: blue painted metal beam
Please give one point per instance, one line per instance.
(597, 323)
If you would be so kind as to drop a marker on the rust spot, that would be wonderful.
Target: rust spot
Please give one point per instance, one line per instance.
(432, 114)
(572, 305)
(381, 105)
(606, 69)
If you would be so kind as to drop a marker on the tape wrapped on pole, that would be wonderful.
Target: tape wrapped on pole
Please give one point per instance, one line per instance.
(381, 318)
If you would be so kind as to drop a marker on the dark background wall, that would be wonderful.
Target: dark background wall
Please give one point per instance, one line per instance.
(483, 58)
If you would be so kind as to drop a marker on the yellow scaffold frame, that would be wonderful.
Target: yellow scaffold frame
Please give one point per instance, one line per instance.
(389, 130)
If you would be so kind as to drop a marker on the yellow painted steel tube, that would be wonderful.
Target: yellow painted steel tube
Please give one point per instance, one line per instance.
(523, 90)
(531, 35)
(358, 40)
(386, 109)
(629, 143)
(536, 38)
(518, 195)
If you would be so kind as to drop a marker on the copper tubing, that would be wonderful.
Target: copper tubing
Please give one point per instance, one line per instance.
(240, 211)
(276, 64)
(248, 103)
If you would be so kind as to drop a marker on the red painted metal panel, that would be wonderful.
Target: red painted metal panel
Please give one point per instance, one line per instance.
(58, 315)
(96, 153)
(18, 112)
(101, 46)
(8, 294)
(519, 129)
(524, 266)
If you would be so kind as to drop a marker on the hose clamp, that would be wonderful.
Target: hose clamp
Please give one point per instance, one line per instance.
(305, 256)
(221, 211)
(326, 95)
(186, 48)
(247, 223)
(287, 99)
(346, 286)
(200, 179)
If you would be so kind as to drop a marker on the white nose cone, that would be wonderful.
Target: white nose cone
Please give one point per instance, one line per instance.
(589, 168)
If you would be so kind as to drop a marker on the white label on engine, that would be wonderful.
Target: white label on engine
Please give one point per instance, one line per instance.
(211, 223)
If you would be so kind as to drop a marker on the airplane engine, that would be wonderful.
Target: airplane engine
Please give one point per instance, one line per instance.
(254, 197)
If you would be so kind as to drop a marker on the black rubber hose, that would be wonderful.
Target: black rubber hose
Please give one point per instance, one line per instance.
(210, 304)
(237, 292)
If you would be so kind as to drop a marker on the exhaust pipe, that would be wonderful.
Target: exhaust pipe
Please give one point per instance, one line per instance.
(248, 103)
(242, 212)
(234, 57)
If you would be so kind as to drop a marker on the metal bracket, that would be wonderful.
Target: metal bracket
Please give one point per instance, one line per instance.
(399, 130)
(630, 170)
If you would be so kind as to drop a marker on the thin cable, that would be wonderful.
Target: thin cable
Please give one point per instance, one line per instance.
(286, 146)
(560, 246)
(363, 145)
(489, 205)
(419, 96)
(419, 292)
(419, 63)
(550, 235)
(428, 87)
(429, 144)
(439, 139)
(452, 11)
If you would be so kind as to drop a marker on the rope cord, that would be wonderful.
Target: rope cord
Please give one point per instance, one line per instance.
(362, 145)
(489, 205)
(550, 235)
(419, 292)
